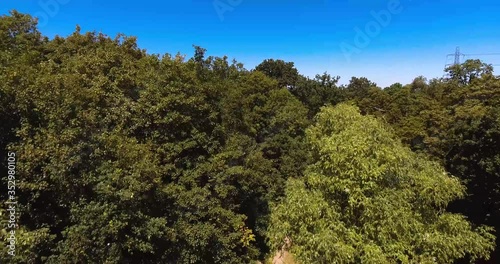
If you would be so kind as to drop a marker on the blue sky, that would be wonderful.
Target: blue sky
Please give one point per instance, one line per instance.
(318, 35)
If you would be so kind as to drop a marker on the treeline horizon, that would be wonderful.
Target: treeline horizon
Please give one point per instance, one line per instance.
(129, 157)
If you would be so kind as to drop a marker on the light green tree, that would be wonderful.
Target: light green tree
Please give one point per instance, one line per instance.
(369, 199)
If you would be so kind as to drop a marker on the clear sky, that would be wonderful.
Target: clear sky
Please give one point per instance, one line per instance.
(343, 37)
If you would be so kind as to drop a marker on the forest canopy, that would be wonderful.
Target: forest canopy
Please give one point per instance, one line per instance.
(128, 157)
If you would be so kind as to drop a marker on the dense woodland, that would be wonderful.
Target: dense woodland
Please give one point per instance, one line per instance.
(131, 157)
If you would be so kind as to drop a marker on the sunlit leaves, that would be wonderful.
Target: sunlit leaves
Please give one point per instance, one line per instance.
(368, 199)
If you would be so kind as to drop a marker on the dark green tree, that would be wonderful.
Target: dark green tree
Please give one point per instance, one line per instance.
(284, 72)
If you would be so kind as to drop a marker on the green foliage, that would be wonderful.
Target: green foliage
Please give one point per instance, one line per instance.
(130, 157)
(469, 71)
(457, 124)
(284, 72)
(127, 157)
(368, 199)
(318, 92)
(473, 150)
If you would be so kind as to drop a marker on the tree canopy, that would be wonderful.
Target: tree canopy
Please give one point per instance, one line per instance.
(129, 157)
(369, 199)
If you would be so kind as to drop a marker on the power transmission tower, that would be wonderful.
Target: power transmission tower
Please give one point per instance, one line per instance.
(456, 60)
(457, 56)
